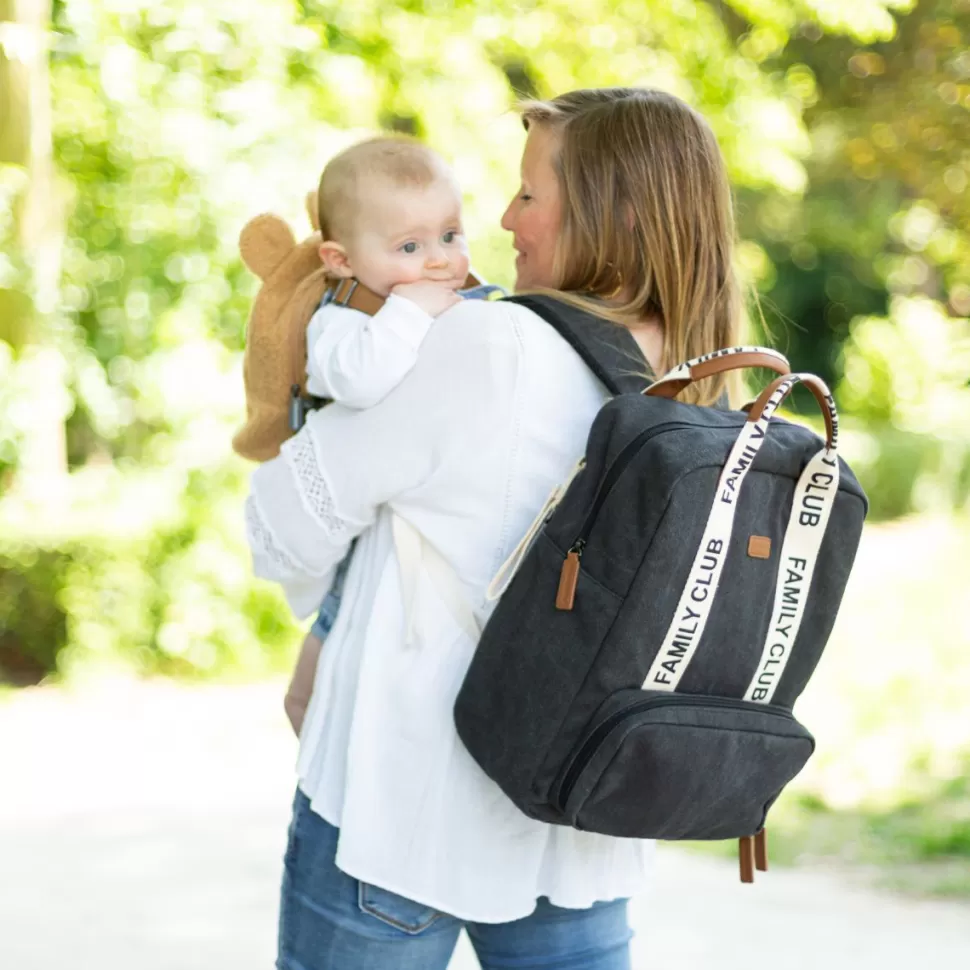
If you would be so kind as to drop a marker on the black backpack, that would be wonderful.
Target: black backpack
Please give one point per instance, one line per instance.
(638, 674)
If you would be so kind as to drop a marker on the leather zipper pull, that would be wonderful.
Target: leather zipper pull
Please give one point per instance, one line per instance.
(568, 578)
(761, 850)
(746, 858)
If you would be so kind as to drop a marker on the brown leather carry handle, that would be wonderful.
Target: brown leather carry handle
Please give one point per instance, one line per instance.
(819, 389)
(734, 358)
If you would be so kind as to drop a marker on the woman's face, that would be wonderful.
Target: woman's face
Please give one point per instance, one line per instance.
(534, 215)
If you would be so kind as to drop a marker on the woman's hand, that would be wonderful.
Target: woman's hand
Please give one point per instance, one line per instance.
(431, 296)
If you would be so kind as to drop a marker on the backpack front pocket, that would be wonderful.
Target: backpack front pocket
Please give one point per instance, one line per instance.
(664, 765)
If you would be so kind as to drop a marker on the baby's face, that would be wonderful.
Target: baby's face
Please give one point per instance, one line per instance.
(408, 234)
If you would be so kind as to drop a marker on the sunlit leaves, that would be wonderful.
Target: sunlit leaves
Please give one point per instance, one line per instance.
(175, 121)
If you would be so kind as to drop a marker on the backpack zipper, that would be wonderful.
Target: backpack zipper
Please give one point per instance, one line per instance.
(601, 732)
(569, 575)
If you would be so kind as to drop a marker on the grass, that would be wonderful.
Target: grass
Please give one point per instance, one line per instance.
(922, 846)
(888, 789)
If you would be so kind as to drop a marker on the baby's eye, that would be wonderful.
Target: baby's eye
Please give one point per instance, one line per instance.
(409, 247)
(450, 236)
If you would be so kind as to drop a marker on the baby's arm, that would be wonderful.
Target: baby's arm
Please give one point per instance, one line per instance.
(358, 361)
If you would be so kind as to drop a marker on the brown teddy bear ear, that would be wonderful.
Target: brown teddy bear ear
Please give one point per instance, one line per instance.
(264, 243)
(313, 210)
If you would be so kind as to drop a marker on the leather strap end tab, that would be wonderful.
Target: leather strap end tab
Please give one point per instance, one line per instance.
(568, 578)
(667, 389)
(761, 851)
(746, 858)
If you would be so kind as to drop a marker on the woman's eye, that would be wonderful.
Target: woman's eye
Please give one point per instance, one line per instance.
(409, 248)
(525, 197)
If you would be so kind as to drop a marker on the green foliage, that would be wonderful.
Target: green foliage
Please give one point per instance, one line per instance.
(174, 122)
(920, 846)
(845, 128)
(880, 238)
(887, 213)
(32, 627)
(906, 385)
(148, 573)
(15, 302)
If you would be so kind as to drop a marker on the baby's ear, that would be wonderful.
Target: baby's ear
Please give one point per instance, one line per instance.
(264, 243)
(335, 259)
(313, 209)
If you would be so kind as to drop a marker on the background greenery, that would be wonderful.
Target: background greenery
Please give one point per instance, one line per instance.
(137, 137)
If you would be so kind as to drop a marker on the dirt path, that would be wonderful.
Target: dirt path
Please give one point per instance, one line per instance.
(141, 826)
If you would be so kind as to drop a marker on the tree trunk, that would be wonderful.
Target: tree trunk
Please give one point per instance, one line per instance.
(26, 148)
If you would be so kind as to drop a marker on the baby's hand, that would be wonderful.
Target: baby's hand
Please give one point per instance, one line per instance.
(433, 298)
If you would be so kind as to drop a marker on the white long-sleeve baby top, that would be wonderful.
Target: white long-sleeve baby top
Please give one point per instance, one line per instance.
(356, 359)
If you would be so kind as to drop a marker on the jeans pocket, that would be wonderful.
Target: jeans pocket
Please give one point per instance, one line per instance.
(397, 911)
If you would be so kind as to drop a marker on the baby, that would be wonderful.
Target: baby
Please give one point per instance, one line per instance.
(390, 217)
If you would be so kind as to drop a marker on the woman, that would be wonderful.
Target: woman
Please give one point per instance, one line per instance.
(398, 839)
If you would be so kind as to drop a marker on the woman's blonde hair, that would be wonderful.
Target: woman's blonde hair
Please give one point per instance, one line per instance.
(647, 218)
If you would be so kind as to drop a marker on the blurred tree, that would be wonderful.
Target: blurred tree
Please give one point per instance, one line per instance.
(888, 212)
(18, 69)
(32, 233)
(866, 278)
(174, 122)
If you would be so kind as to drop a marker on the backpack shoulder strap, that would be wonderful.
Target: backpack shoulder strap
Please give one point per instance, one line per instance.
(608, 349)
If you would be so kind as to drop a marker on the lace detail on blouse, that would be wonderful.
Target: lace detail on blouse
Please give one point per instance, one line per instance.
(263, 542)
(302, 459)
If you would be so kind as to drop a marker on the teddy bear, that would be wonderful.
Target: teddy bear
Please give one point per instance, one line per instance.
(274, 360)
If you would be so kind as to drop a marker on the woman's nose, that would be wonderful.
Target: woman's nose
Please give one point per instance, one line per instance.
(508, 218)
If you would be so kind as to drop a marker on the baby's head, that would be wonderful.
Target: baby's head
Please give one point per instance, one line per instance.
(390, 212)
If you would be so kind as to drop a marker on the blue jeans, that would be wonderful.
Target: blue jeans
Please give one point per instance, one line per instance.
(330, 606)
(329, 921)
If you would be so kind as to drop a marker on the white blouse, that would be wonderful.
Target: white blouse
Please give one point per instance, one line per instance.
(465, 449)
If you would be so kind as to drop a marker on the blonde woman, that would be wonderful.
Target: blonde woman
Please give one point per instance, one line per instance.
(398, 840)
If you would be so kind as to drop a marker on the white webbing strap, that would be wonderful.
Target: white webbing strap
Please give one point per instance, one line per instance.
(814, 498)
(690, 618)
(414, 552)
(508, 569)
(407, 544)
(801, 546)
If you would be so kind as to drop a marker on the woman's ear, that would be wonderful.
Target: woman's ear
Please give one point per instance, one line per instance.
(335, 259)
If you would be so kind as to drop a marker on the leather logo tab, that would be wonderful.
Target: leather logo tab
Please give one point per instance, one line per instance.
(759, 547)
